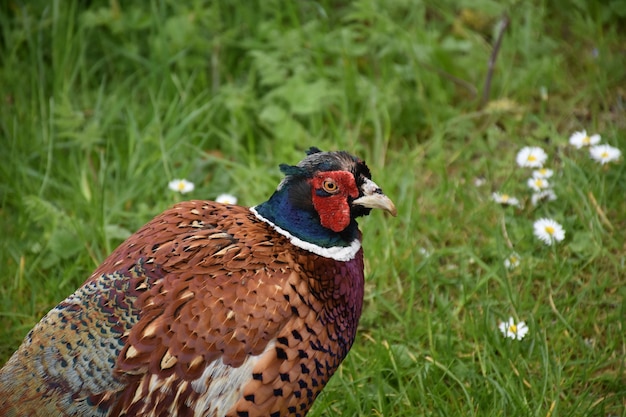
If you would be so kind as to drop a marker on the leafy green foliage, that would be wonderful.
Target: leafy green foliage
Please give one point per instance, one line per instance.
(104, 102)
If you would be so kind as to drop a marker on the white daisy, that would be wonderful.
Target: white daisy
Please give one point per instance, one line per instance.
(514, 331)
(182, 186)
(604, 153)
(538, 184)
(226, 199)
(505, 199)
(512, 261)
(542, 173)
(479, 181)
(424, 252)
(548, 231)
(580, 139)
(531, 157)
(543, 195)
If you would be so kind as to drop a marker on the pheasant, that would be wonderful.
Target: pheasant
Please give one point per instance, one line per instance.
(210, 309)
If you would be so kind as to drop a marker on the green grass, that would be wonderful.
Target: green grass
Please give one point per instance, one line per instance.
(102, 104)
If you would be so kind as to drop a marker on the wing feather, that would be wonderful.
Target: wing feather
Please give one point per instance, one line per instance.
(211, 306)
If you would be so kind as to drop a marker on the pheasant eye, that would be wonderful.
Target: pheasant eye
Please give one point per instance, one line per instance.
(330, 186)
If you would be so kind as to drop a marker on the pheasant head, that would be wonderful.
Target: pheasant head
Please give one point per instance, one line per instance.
(317, 203)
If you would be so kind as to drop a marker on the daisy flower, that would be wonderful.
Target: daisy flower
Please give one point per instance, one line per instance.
(226, 199)
(548, 231)
(424, 252)
(542, 173)
(531, 157)
(479, 181)
(514, 331)
(604, 153)
(538, 184)
(505, 199)
(543, 195)
(512, 261)
(182, 186)
(580, 139)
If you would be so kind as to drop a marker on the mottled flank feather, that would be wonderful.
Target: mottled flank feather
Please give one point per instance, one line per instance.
(206, 311)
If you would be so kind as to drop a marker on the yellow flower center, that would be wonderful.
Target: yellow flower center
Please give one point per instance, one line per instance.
(505, 197)
(532, 158)
(550, 230)
(513, 328)
(181, 186)
(586, 140)
(604, 155)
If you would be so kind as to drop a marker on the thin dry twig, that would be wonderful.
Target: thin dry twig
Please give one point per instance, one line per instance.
(506, 234)
(504, 24)
(600, 212)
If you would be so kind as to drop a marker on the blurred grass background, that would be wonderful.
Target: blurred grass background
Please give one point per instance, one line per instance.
(103, 102)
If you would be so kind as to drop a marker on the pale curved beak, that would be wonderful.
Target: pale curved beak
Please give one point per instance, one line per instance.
(375, 198)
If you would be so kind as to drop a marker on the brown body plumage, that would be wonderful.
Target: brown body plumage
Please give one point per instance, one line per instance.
(206, 311)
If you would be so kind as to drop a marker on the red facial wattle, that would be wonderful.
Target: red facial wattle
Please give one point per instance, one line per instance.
(330, 192)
